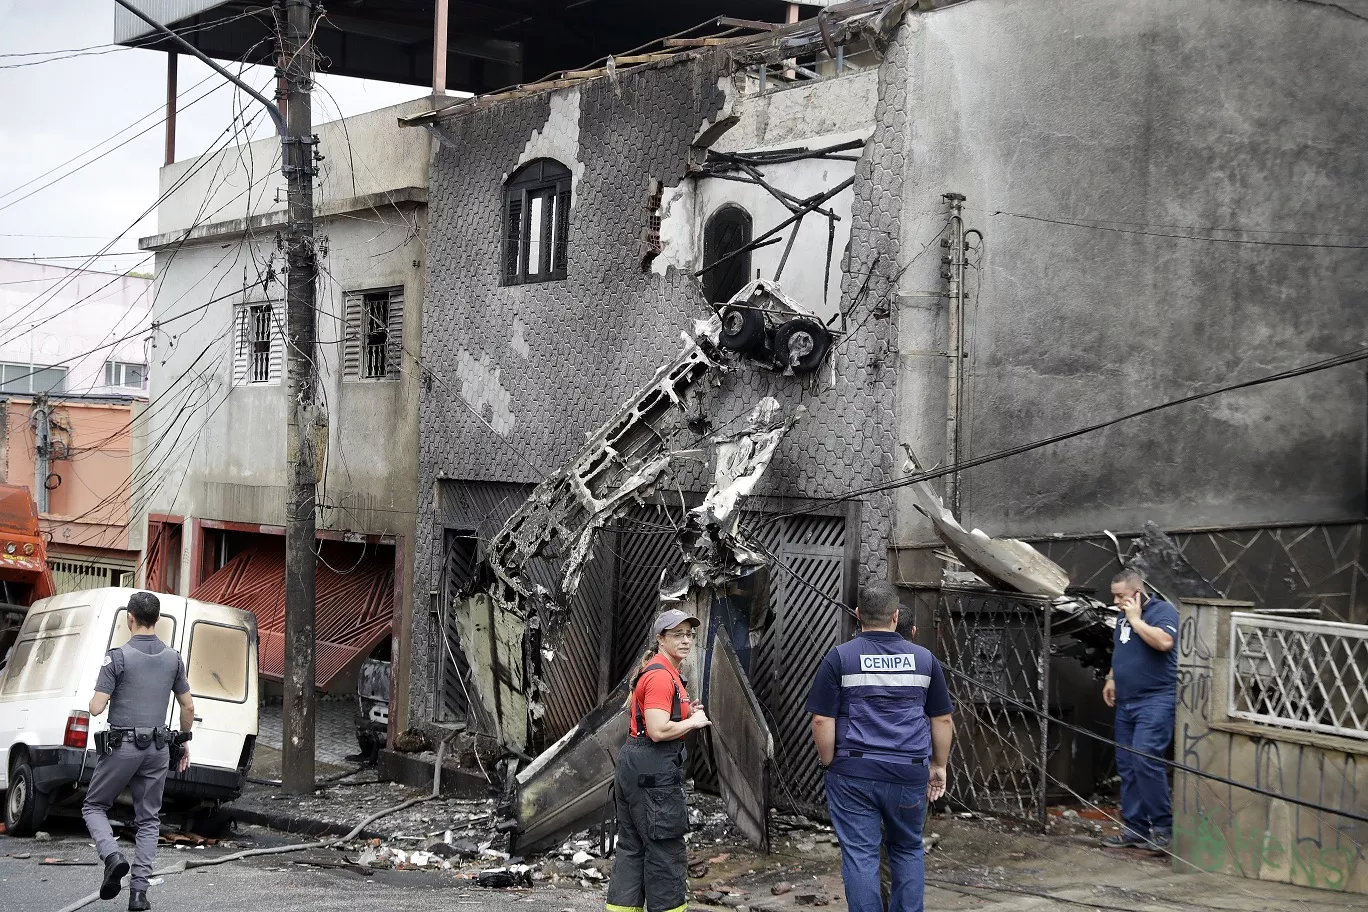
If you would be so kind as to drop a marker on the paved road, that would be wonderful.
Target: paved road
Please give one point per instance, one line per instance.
(273, 883)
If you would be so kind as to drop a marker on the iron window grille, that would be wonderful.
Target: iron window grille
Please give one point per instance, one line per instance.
(536, 223)
(375, 320)
(1299, 673)
(259, 368)
(727, 231)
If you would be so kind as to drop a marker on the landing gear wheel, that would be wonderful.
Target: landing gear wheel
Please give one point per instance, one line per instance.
(743, 329)
(25, 806)
(801, 344)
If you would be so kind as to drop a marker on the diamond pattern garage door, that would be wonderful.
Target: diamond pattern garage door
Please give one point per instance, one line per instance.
(805, 625)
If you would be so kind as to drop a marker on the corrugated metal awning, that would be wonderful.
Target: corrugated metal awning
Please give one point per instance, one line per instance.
(354, 595)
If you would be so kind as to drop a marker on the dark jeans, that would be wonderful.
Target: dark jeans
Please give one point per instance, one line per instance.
(1145, 724)
(866, 813)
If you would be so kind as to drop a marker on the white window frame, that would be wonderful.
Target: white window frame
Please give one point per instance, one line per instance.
(26, 373)
(116, 373)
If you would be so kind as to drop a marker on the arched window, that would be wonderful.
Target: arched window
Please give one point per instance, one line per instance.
(727, 231)
(536, 219)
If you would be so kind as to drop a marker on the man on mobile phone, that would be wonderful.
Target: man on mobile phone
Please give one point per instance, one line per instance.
(1142, 686)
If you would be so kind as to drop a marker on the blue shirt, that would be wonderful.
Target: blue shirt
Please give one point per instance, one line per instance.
(882, 691)
(1138, 668)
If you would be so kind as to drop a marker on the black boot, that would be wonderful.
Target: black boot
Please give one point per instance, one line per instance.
(116, 866)
(137, 901)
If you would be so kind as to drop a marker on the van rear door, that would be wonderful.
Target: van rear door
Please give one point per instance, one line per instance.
(220, 650)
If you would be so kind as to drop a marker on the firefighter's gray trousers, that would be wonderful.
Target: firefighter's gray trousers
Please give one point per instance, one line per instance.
(651, 868)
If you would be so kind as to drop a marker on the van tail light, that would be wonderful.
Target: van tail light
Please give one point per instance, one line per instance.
(77, 730)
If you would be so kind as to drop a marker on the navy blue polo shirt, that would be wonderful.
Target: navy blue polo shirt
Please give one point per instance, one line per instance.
(882, 691)
(1138, 668)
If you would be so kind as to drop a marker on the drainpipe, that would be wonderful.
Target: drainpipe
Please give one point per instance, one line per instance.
(955, 343)
(42, 450)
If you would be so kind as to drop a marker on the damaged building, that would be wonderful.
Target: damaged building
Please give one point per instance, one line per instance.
(978, 224)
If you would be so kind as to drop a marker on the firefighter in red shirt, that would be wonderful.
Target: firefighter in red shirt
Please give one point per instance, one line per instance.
(651, 870)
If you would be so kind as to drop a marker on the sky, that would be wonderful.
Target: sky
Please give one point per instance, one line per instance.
(58, 105)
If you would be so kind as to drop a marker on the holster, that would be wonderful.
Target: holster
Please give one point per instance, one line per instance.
(102, 743)
(175, 740)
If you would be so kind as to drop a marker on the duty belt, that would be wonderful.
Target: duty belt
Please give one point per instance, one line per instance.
(141, 738)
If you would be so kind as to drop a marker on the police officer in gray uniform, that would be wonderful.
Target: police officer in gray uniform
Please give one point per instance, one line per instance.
(135, 682)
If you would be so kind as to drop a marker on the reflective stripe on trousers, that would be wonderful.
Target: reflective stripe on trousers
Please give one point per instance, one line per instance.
(651, 867)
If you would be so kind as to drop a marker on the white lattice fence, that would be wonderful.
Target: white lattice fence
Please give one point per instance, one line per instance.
(1309, 675)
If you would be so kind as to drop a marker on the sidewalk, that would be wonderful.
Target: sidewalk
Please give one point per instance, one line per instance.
(976, 864)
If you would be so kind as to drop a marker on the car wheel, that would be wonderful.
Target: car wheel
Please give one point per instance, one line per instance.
(25, 806)
(743, 329)
(801, 344)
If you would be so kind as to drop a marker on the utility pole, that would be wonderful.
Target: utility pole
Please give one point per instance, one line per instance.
(303, 417)
(42, 452)
(955, 343)
(301, 409)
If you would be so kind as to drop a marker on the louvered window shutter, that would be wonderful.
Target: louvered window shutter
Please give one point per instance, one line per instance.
(351, 340)
(394, 357)
(241, 343)
(562, 231)
(278, 318)
(513, 219)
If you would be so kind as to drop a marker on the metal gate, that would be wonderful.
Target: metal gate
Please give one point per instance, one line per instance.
(809, 577)
(994, 648)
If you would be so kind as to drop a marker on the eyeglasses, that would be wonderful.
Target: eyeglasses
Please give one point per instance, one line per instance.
(681, 634)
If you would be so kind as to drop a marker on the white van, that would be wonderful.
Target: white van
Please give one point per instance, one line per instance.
(47, 743)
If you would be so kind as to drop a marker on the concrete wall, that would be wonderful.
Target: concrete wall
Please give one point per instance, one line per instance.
(51, 315)
(214, 451)
(809, 115)
(90, 506)
(1143, 118)
(1220, 828)
(544, 364)
(363, 155)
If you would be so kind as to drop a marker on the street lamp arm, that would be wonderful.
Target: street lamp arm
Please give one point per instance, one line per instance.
(271, 107)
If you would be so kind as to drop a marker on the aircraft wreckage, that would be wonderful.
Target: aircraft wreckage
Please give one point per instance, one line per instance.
(506, 621)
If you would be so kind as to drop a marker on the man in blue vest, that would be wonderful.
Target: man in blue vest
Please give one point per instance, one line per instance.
(1142, 685)
(881, 723)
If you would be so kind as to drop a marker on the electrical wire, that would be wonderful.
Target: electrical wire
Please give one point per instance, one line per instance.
(1349, 357)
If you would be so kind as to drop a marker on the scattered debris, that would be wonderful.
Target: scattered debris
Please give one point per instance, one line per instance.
(781, 888)
(503, 878)
(68, 862)
(811, 899)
